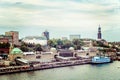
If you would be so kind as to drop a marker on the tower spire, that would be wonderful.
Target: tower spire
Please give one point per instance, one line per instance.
(99, 32)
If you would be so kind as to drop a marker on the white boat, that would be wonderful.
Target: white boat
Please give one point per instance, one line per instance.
(100, 59)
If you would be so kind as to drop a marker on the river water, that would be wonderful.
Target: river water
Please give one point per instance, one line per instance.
(110, 71)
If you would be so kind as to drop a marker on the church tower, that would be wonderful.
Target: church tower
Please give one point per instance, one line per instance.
(99, 33)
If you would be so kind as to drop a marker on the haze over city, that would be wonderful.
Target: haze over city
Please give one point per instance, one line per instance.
(61, 17)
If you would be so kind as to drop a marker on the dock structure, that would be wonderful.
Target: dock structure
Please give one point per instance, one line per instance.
(22, 61)
(42, 66)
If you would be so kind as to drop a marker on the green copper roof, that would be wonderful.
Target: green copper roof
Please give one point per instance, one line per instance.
(16, 51)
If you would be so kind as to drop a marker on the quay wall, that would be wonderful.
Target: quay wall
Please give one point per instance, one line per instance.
(18, 69)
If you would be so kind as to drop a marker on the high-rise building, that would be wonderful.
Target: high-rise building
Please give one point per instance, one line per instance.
(99, 36)
(15, 36)
(46, 34)
(72, 37)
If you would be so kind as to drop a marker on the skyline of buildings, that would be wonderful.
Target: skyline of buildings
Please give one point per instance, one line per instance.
(24, 23)
(26, 31)
(13, 36)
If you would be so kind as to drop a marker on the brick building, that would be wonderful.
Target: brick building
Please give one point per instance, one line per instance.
(15, 36)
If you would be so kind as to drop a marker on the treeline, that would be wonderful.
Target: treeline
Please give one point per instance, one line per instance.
(56, 43)
(30, 47)
(65, 44)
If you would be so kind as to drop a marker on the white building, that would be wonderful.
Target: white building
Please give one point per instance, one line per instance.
(72, 37)
(35, 40)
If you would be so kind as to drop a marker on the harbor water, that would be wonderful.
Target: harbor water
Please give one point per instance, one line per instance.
(110, 71)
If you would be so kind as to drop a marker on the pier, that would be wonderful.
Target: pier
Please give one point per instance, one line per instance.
(42, 66)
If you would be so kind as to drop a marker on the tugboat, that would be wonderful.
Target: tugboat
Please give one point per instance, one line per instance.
(100, 59)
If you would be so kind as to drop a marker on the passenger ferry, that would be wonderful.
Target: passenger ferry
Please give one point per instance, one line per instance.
(100, 59)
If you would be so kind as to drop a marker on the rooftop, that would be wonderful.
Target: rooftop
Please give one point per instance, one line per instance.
(16, 51)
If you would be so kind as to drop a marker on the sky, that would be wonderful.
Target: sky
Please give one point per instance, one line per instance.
(61, 18)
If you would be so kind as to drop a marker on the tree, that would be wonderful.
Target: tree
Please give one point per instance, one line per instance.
(59, 42)
(38, 47)
(50, 43)
(24, 48)
(67, 44)
(77, 43)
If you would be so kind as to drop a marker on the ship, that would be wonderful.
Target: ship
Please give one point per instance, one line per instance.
(100, 59)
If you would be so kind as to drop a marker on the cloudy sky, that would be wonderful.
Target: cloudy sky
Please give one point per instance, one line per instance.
(61, 17)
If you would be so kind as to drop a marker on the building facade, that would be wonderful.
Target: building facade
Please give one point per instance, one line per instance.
(4, 45)
(35, 40)
(15, 36)
(4, 38)
(72, 37)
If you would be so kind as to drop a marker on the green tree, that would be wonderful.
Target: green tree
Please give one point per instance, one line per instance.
(24, 48)
(38, 47)
(67, 43)
(59, 42)
(77, 43)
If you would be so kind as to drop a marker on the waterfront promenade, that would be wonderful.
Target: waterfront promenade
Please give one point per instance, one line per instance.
(42, 66)
(108, 71)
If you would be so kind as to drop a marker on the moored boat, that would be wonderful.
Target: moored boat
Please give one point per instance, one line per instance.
(100, 59)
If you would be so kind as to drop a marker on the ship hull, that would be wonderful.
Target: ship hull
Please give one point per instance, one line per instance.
(100, 60)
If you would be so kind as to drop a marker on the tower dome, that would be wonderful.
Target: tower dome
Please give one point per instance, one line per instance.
(16, 51)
